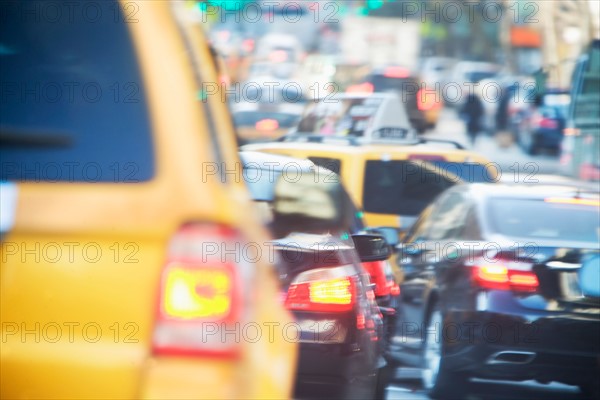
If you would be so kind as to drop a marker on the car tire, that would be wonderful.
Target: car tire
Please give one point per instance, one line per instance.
(590, 390)
(439, 381)
(384, 377)
(533, 146)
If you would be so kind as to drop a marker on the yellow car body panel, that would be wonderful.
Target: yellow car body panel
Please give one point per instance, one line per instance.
(353, 159)
(81, 266)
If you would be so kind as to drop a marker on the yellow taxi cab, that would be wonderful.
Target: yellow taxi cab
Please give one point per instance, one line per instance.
(132, 263)
(389, 171)
(392, 183)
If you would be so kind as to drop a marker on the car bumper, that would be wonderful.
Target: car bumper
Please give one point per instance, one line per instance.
(332, 353)
(548, 138)
(523, 346)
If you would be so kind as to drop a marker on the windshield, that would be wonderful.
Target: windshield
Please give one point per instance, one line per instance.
(539, 219)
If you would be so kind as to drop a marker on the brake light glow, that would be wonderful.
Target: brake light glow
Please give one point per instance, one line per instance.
(267, 125)
(191, 293)
(396, 72)
(543, 122)
(322, 290)
(366, 87)
(499, 277)
(571, 132)
(376, 272)
(578, 201)
(333, 291)
(428, 99)
(199, 285)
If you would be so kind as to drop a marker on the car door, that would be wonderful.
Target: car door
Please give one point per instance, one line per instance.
(423, 258)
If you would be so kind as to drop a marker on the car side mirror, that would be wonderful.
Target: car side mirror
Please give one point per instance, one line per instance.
(371, 247)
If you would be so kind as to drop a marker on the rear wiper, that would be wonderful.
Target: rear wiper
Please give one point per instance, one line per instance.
(10, 137)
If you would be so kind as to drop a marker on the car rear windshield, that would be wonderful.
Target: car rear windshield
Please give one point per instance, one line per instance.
(400, 187)
(72, 97)
(250, 118)
(550, 219)
(476, 76)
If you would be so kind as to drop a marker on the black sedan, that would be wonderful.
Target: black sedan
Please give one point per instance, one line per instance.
(501, 282)
(318, 255)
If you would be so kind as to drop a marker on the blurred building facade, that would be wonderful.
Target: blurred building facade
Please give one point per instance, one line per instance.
(548, 35)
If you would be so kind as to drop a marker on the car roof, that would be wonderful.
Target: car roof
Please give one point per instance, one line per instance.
(340, 146)
(485, 191)
(275, 162)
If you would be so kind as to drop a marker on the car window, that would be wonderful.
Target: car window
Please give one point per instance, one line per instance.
(72, 110)
(261, 182)
(418, 232)
(465, 171)
(400, 187)
(449, 218)
(472, 229)
(332, 164)
(539, 219)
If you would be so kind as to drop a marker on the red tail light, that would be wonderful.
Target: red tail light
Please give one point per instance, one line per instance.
(500, 277)
(323, 289)
(548, 123)
(428, 99)
(200, 293)
(542, 122)
(267, 125)
(366, 87)
(376, 271)
(396, 72)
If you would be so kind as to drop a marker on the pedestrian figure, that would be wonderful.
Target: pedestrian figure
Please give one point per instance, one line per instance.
(472, 112)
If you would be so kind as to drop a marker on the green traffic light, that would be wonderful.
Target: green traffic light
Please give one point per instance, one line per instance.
(374, 4)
